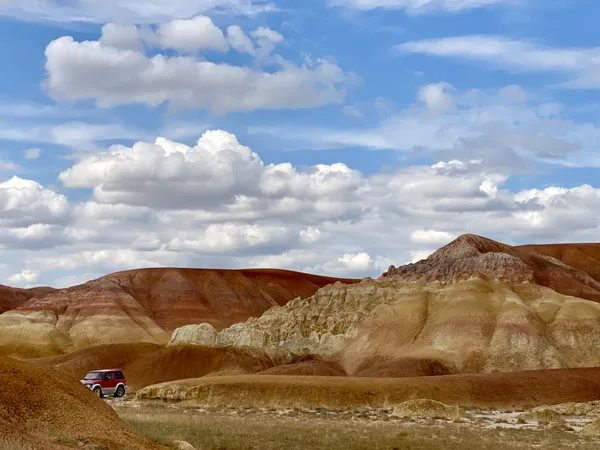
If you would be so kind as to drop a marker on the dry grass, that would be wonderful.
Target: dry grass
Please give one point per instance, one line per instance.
(230, 432)
(13, 444)
(493, 390)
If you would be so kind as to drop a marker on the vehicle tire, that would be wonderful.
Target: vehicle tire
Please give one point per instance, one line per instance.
(98, 391)
(120, 392)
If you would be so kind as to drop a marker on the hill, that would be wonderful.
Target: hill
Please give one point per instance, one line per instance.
(585, 257)
(11, 298)
(473, 306)
(43, 410)
(146, 306)
(471, 255)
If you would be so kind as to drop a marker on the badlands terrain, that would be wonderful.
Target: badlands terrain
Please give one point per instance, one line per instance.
(253, 358)
(141, 306)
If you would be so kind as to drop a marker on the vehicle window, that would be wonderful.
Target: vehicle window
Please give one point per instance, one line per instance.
(93, 376)
(110, 376)
(119, 375)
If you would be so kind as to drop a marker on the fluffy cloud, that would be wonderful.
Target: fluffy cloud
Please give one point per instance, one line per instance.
(437, 97)
(420, 6)
(26, 277)
(25, 202)
(218, 204)
(115, 71)
(238, 40)
(430, 237)
(219, 176)
(191, 35)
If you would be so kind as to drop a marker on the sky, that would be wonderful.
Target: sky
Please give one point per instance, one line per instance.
(335, 137)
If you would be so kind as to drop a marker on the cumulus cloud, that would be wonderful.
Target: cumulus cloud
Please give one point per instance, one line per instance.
(219, 176)
(199, 33)
(114, 71)
(239, 40)
(218, 204)
(235, 239)
(26, 277)
(26, 202)
(122, 37)
(267, 40)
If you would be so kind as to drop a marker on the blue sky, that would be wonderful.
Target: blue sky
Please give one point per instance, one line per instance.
(353, 133)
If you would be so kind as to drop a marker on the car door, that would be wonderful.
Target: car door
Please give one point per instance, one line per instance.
(110, 383)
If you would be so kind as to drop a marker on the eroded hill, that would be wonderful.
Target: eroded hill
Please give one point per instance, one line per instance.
(475, 305)
(146, 306)
(11, 298)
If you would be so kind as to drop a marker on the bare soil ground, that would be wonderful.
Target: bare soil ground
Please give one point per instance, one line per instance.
(490, 390)
(353, 429)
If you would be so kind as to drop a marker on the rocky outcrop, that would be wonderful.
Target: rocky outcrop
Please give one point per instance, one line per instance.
(469, 326)
(471, 255)
(473, 306)
(146, 306)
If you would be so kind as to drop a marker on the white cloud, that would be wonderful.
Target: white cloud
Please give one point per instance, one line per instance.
(238, 40)
(32, 153)
(517, 55)
(122, 37)
(26, 277)
(506, 129)
(112, 76)
(230, 238)
(267, 40)
(431, 237)
(310, 235)
(418, 255)
(26, 202)
(218, 175)
(218, 204)
(437, 97)
(199, 33)
(420, 6)
(126, 11)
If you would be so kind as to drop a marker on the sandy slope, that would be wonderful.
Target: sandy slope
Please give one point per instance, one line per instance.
(43, 409)
(145, 363)
(145, 306)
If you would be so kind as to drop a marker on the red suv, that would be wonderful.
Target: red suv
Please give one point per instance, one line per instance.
(106, 382)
